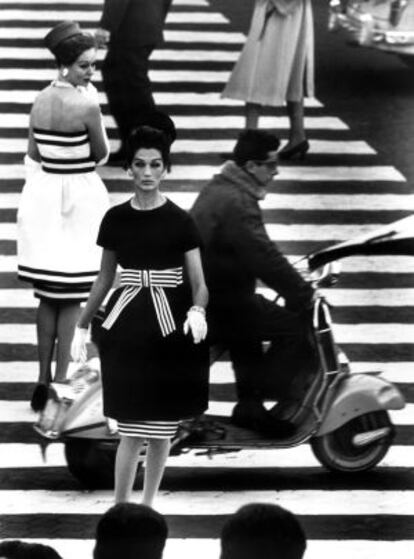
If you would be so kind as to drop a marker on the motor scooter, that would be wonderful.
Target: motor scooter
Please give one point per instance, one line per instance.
(342, 415)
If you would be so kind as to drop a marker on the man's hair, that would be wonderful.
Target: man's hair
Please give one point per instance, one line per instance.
(16, 549)
(262, 530)
(254, 145)
(130, 531)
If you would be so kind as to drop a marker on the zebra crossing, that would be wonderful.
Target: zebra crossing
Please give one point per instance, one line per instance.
(343, 189)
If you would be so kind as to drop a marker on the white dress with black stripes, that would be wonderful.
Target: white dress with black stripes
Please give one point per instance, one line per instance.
(61, 207)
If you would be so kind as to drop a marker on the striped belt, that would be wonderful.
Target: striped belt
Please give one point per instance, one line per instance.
(155, 281)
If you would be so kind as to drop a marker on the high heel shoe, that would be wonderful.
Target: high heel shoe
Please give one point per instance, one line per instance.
(39, 397)
(299, 150)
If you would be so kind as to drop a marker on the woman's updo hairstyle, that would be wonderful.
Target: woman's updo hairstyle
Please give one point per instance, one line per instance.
(66, 41)
(156, 131)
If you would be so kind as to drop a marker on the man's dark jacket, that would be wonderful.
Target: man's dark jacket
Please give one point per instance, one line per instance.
(135, 22)
(237, 250)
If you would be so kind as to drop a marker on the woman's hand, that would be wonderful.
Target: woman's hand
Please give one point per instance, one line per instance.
(196, 322)
(78, 348)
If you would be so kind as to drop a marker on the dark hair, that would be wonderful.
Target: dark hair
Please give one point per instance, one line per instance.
(148, 137)
(16, 549)
(129, 531)
(254, 145)
(68, 51)
(262, 530)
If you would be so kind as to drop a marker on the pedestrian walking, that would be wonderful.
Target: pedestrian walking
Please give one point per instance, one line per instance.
(130, 29)
(130, 531)
(63, 199)
(276, 67)
(262, 530)
(154, 361)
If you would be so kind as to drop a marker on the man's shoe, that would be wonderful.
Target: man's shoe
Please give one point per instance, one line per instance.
(253, 415)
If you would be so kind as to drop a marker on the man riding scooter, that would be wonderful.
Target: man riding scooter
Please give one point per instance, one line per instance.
(237, 253)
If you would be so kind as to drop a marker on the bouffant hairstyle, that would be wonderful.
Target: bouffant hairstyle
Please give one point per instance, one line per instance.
(68, 51)
(149, 138)
(254, 145)
(262, 530)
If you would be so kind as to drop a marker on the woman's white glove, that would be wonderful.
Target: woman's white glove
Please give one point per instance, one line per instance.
(78, 349)
(196, 322)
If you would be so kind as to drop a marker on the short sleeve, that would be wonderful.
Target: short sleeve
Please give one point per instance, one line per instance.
(106, 236)
(191, 236)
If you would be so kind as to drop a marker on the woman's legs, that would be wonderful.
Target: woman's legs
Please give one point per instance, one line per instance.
(252, 113)
(46, 325)
(66, 321)
(295, 113)
(157, 454)
(126, 462)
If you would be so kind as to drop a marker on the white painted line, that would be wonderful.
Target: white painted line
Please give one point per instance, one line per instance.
(19, 145)
(202, 548)
(162, 98)
(295, 232)
(18, 455)
(398, 297)
(19, 411)
(221, 372)
(371, 264)
(193, 55)
(303, 502)
(291, 173)
(23, 298)
(361, 333)
(18, 120)
(80, 16)
(298, 202)
(160, 76)
(220, 37)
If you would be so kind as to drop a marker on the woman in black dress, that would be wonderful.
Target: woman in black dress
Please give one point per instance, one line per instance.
(154, 358)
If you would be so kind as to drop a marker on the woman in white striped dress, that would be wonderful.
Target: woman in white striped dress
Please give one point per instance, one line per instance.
(154, 361)
(63, 200)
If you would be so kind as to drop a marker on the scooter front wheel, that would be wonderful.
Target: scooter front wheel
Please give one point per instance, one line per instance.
(338, 452)
(92, 462)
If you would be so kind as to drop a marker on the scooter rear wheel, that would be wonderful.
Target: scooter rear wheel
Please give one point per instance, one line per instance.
(337, 452)
(92, 462)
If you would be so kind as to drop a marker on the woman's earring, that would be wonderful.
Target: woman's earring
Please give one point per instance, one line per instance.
(65, 72)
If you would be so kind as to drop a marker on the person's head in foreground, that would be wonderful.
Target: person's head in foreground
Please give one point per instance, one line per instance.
(130, 531)
(262, 531)
(16, 549)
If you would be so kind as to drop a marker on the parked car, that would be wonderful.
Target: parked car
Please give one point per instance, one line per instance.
(386, 25)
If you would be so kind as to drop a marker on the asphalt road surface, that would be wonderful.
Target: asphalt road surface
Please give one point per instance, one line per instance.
(356, 177)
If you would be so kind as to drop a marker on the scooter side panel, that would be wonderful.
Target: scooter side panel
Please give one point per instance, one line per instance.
(85, 416)
(357, 395)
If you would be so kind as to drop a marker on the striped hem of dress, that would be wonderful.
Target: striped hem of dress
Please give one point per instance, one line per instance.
(148, 429)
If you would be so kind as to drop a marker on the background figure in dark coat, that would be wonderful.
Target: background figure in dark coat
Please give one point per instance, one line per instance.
(131, 29)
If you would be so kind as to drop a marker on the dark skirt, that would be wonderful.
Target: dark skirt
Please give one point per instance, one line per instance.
(147, 376)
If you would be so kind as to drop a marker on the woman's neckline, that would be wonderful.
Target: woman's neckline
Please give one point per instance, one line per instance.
(163, 203)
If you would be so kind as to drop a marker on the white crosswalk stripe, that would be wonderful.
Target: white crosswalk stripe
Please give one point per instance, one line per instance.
(342, 190)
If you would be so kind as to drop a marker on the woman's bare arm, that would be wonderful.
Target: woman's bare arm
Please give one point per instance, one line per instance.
(100, 288)
(96, 132)
(196, 276)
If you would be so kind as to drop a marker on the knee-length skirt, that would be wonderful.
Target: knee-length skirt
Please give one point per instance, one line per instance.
(276, 64)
